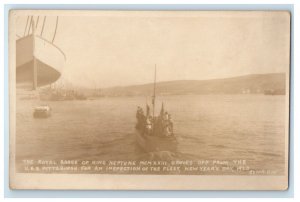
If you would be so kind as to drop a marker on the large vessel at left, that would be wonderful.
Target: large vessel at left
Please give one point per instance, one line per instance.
(39, 61)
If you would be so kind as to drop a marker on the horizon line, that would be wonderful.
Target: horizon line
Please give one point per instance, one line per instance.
(164, 81)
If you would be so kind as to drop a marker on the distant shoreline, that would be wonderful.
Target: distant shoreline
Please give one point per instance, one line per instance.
(268, 84)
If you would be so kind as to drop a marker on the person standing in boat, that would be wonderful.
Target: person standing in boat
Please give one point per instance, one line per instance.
(140, 117)
(167, 124)
(167, 131)
(137, 115)
(138, 112)
(166, 117)
(170, 124)
(147, 110)
(162, 110)
(148, 126)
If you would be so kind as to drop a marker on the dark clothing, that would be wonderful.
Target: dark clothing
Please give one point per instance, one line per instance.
(148, 110)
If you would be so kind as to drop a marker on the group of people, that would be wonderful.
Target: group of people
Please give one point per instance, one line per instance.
(161, 125)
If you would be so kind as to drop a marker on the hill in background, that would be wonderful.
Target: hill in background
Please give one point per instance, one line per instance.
(249, 84)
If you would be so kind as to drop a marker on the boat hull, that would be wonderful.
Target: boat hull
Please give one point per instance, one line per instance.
(42, 112)
(156, 144)
(40, 115)
(48, 58)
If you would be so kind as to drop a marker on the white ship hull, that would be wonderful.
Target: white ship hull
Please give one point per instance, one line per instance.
(35, 51)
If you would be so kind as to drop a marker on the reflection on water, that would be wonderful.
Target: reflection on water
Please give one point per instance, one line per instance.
(226, 127)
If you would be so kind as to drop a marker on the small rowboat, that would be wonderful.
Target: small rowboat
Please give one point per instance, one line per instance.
(43, 111)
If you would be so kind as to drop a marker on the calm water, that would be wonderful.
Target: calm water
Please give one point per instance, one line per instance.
(220, 127)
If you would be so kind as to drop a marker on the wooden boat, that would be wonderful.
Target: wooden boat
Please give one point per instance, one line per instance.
(155, 143)
(155, 140)
(43, 111)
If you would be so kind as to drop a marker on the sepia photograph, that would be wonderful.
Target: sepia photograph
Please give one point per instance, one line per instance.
(149, 100)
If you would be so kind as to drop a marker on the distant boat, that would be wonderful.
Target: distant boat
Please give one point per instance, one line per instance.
(57, 94)
(274, 92)
(43, 111)
(39, 62)
(160, 136)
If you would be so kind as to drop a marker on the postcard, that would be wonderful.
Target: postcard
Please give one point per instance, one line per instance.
(149, 100)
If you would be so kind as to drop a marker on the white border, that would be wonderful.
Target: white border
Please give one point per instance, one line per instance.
(296, 60)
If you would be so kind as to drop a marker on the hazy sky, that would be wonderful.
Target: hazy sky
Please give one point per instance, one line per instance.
(122, 49)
